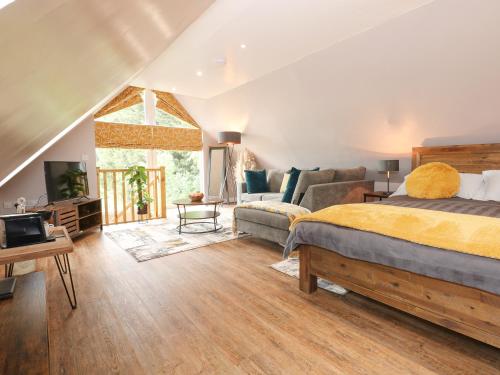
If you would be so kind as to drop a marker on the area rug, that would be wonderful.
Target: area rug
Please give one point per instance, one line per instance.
(152, 240)
(290, 267)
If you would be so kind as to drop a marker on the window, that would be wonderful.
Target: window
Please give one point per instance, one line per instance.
(182, 167)
(183, 172)
(117, 158)
(166, 119)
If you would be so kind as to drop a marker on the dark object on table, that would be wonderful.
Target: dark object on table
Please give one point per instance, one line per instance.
(21, 229)
(377, 194)
(46, 214)
(199, 216)
(7, 287)
(388, 166)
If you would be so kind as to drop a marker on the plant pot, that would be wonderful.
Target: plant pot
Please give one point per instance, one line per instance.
(143, 210)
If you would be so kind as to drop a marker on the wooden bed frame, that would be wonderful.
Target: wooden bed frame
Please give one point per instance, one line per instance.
(470, 311)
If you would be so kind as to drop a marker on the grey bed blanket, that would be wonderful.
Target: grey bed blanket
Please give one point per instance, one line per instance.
(465, 269)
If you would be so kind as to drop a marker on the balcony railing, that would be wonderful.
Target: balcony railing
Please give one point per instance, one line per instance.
(119, 202)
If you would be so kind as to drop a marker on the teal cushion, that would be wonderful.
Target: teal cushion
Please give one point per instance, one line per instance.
(256, 182)
(292, 183)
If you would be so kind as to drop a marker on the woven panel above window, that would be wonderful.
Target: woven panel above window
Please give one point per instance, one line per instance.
(111, 135)
(168, 103)
(127, 98)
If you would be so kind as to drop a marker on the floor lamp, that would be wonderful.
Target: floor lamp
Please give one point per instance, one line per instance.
(229, 139)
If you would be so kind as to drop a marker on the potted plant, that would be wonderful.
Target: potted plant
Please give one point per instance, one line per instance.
(138, 179)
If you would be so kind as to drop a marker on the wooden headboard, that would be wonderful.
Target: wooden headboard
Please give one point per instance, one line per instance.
(465, 158)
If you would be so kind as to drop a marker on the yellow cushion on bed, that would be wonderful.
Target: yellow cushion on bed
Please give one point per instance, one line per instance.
(433, 181)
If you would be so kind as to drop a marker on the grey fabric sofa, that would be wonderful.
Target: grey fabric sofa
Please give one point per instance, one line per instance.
(262, 224)
(348, 186)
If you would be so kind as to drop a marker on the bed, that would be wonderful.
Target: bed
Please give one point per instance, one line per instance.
(455, 290)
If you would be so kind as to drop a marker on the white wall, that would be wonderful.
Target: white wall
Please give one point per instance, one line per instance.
(430, 77)
(30, 182)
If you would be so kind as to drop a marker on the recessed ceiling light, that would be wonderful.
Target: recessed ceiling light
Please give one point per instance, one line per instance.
(4, 3)
(199, 73)
(243, 46)
(173, 89)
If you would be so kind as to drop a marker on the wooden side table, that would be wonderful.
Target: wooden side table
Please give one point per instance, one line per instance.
(61, 247)
(377, 194)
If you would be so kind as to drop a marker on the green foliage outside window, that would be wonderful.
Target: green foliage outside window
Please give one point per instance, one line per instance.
(165, 119)
(116, 158)
(182, 167)
(183, 173)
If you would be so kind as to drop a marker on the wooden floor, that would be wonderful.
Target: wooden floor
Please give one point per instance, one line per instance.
(223, 310)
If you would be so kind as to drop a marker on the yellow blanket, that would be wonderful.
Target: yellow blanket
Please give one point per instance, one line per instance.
(289, 210)
(477, 235)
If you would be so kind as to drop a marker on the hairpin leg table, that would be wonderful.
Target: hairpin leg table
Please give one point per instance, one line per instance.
(208, 216)
(59, 248)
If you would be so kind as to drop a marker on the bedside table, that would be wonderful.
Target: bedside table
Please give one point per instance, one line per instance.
(377, 194)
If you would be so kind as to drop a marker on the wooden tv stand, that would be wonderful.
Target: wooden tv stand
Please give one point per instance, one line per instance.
(77, 216)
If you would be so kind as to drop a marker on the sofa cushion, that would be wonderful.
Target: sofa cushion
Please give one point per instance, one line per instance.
(256, 181)
(308, 178)
(292, 183)
(353, 174)
(245, 197)
(274, 179)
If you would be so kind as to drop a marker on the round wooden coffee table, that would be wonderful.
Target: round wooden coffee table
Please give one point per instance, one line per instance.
(198, 216)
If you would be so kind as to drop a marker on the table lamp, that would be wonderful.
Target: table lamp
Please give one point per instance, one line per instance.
(230, 139)
(388, 166)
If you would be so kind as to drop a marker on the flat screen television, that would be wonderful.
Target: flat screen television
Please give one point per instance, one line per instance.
(65, 180)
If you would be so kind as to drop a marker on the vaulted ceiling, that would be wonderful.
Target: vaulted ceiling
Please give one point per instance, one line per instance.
(62, 59)
(208, 58)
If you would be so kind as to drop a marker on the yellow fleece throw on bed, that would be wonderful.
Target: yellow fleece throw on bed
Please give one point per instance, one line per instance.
(471, 234)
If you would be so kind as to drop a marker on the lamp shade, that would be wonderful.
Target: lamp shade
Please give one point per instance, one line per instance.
(229, 138)
(388, 165)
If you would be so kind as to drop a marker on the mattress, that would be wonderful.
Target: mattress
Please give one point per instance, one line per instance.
(465, 269)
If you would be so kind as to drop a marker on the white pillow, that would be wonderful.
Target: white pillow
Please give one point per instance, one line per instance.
(479, 196)
(492, 185)
(401, 190)
(470, 184)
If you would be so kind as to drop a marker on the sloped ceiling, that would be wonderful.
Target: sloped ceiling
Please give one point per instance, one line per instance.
(276, 33)
(62, 59)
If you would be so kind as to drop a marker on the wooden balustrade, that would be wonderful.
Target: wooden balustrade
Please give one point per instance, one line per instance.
(119, 201)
